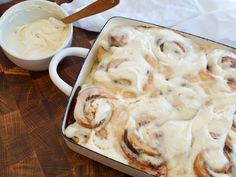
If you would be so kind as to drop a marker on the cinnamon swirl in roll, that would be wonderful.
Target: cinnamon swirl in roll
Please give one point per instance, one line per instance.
(223, 64)
(93, 108)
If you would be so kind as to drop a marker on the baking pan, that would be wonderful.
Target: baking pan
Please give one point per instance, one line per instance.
(90, 57)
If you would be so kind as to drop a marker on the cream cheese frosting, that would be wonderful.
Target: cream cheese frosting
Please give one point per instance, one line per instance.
(38, 39)
(180, 120)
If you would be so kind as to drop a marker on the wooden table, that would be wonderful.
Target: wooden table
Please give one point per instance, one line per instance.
(31, 112)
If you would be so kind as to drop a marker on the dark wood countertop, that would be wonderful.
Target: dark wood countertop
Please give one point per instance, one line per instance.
(31, 112)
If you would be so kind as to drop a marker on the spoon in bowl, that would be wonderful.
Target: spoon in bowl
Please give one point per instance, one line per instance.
(92, 9)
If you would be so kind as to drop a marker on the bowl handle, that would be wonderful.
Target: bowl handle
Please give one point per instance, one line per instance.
(72, 51)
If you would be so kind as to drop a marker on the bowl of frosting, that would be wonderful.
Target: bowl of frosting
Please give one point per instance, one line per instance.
(31, 33)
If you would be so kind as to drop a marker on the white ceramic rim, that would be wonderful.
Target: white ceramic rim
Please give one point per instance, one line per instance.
(12, 9)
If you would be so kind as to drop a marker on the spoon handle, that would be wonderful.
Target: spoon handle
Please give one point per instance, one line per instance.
(92, 9)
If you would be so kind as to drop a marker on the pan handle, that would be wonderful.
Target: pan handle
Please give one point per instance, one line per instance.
(56, 79)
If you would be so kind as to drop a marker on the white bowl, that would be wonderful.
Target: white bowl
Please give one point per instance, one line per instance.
(28, 12)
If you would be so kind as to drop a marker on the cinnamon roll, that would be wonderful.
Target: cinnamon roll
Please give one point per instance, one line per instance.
(139, 144)
(177, 52)
(223, 63)
(93, 107)
(143, 139)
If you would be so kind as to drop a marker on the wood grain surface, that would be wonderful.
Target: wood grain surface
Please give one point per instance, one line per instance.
(31, 112)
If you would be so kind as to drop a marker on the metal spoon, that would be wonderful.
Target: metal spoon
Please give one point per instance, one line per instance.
(92, 9)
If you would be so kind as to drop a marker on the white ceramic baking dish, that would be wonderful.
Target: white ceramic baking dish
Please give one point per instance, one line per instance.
(90, 58)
